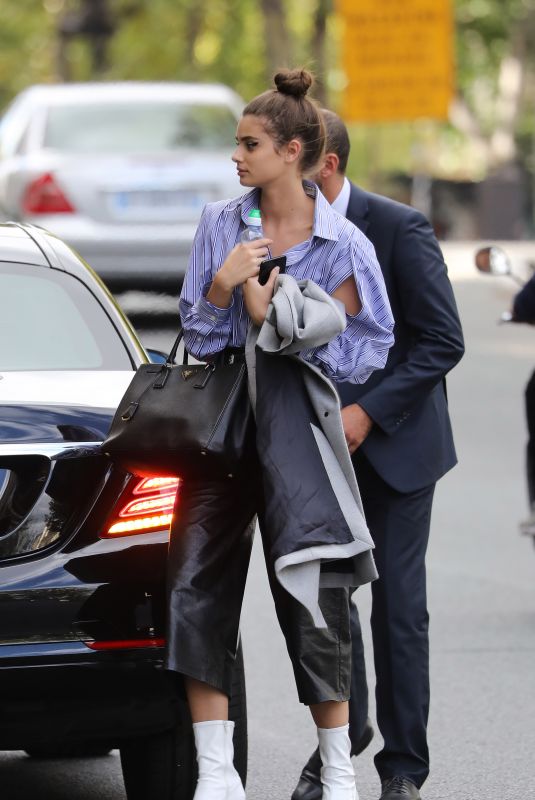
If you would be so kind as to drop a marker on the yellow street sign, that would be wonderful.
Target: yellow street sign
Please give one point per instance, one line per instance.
(398, 59)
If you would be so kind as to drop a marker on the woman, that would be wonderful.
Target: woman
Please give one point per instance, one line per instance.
(280, 140)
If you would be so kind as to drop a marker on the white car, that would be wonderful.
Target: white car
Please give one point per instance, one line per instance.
(121, 171)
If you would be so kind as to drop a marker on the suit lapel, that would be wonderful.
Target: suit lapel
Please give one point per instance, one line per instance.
(357, 210)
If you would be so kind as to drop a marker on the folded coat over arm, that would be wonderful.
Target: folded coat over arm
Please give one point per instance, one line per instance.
(314, 529)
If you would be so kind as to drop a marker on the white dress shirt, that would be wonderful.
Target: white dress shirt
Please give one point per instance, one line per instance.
(342, 201)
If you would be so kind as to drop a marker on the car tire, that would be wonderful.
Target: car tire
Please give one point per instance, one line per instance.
(164, 765)
(78, 750)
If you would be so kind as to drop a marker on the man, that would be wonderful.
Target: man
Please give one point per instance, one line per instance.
(524, 311)
(398, 430)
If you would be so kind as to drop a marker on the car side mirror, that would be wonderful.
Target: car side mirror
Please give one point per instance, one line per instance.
(492, 261)
(156, 356)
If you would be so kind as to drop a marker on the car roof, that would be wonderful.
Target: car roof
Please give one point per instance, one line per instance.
(17, 246)
(28, 244)
(52, 94)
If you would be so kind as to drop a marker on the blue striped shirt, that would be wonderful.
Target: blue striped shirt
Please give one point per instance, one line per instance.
(335, 251)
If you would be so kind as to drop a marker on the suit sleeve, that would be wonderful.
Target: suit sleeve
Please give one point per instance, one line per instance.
(429, 309)
(524, 303)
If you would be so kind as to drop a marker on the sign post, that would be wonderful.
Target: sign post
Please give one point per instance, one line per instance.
(398, 58)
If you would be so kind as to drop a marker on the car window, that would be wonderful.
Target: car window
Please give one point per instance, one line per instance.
(49, 320)
(138, 127)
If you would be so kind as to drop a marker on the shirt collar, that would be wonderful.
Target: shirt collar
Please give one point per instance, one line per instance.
(341, 202)
(247, 202)
(323, 226)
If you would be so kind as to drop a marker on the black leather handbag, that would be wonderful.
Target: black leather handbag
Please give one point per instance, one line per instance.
(189, 420)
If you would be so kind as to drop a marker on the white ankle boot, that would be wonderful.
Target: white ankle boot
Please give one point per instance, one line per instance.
(218, 779)
(337, 774)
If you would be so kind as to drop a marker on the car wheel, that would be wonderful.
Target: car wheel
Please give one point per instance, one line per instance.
(163, 765)
(78, 750)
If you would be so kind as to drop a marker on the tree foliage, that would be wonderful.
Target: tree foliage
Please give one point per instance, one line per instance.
(241, 43)
(232, 41)
(495, 45)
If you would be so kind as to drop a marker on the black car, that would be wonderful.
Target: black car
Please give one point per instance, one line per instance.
(83, 544)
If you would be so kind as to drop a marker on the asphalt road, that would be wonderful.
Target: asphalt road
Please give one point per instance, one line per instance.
(481, 579)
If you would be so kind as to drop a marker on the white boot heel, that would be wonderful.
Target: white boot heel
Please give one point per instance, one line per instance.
(218, 779)
(337, 774)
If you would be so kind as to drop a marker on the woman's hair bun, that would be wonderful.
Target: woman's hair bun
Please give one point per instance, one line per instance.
(295, 82)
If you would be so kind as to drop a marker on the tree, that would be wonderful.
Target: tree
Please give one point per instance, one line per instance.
(242, 43)
(495, 72)
(93, 20)
(278, 43)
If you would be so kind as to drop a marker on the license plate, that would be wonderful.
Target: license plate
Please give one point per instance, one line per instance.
(157, 199)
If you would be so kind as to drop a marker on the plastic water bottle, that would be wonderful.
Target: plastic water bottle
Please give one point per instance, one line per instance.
(254, 227)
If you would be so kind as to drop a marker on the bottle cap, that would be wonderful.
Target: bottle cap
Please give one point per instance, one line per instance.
(254, 218)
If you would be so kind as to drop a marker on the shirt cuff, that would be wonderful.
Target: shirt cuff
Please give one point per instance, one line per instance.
(210, 313)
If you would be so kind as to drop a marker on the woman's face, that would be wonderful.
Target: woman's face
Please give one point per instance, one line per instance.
(257, 161)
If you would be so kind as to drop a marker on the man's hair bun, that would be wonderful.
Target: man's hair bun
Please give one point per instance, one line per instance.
(295, 82)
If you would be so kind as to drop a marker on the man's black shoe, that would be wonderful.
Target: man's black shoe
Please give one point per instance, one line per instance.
(399, 788)
(309, 786)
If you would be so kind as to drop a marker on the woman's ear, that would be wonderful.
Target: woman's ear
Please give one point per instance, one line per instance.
(293, 150)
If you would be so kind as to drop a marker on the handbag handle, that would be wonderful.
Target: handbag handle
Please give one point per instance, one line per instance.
(170, 360)
(168, 364)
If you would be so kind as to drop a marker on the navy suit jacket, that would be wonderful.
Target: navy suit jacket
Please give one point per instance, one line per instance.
(524, 303)
(411, 443)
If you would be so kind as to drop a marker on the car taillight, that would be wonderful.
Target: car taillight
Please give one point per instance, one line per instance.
(43, 196)
(125, 644)
(146, 506)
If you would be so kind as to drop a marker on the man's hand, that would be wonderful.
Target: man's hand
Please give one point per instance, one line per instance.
(357, 425)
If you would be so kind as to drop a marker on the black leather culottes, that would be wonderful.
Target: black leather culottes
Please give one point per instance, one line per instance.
(209, 553)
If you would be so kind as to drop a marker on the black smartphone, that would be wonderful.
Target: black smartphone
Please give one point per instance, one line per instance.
(267, 266)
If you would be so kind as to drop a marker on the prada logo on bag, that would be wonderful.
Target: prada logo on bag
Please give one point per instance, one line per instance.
(187, 373)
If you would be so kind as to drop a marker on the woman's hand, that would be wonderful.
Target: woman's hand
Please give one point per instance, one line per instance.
(243, 262)
(257, 298)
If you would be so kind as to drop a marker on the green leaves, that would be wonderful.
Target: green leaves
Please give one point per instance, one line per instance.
(239, 43)
(202, 40)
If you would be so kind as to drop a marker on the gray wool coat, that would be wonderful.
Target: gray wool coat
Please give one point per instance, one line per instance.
(314, 531)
